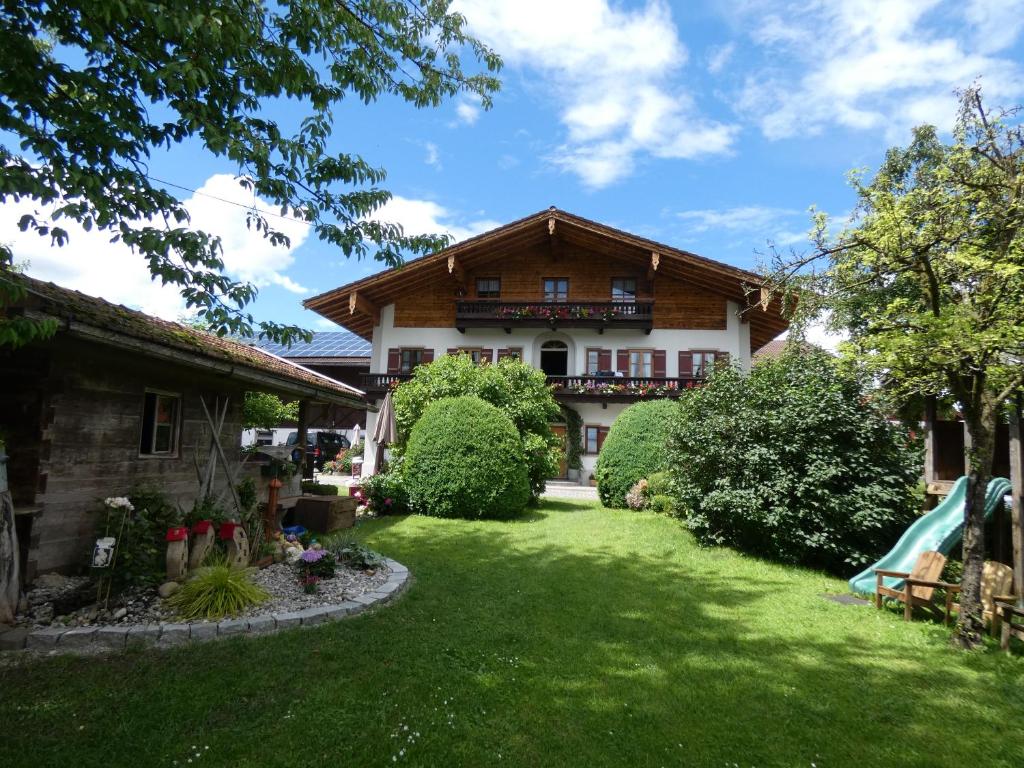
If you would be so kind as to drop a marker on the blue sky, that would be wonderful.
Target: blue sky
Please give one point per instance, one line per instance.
(708, 126)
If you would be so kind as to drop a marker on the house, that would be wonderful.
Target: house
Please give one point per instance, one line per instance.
(610, 317)
(341, 355)
(116, 399)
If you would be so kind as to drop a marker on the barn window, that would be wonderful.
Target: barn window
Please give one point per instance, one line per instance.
(160, 419)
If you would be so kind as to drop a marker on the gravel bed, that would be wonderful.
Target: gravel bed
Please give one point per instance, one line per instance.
(286, 594)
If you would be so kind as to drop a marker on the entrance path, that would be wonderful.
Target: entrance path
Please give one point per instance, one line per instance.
(561, 489)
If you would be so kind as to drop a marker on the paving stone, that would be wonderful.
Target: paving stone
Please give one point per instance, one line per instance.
(147, 634)
(44, 639)
(343, 609)
(174, 634)
(202, 630)
(79, 637)
(13, 639)
(365, 599)
(111, 637)
(388, 587)
(288, 620)
(260, 624)
(311, 616)
(233, 627)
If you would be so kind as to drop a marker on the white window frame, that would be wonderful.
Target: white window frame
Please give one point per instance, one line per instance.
(175, 426)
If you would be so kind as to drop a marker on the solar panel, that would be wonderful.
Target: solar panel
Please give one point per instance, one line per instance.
(324, 344)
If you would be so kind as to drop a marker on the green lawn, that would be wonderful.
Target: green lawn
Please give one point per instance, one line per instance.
(576, 636)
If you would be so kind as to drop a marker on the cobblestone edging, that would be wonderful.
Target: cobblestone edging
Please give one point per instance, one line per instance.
(118, 637)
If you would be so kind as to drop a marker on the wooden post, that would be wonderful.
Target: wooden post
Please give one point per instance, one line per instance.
(930, 447)
(303, 430)
(10, 557)
(1017, 513)
(967, 450)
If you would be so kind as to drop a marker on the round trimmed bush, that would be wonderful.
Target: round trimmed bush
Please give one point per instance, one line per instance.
(466, 459)
(634, 449)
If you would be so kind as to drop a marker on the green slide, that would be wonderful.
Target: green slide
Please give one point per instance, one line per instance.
(939, 530)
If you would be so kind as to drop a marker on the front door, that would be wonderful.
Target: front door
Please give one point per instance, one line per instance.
(563, 464)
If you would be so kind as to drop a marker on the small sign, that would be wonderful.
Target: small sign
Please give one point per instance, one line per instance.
(103, 553)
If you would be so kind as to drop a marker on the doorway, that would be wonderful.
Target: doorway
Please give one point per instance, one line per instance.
(554, 358)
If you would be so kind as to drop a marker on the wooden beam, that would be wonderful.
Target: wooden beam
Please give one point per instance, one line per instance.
(456, 272)
(359, 303)
(930, 446)
(652, 270)
(551, 226)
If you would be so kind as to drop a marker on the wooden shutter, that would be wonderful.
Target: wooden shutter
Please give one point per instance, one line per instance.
(502, 354)
(658, 367)
(453, 350)
(685, 365)
(622, 361)
(604, 360)
(486, 355)
(602, 433)
(394, 360)
(427, 356)
(721, 358)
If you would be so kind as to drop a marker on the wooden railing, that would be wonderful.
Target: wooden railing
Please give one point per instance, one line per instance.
(620, 387)
(382, 382)
(596, 314)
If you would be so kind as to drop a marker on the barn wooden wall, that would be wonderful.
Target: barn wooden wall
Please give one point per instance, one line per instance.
(92, 411)
(676, 304)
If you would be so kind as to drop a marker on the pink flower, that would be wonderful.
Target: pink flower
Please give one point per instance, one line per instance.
(358, 494)
(387, 502)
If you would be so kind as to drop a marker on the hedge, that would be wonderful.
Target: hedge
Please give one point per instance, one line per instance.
(633, 449)
(465, 459)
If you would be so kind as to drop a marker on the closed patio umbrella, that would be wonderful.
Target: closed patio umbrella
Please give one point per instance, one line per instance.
(385, 432)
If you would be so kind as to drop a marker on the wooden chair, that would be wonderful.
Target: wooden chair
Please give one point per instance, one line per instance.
(919, 585)
(1011, 617)
(996, 587)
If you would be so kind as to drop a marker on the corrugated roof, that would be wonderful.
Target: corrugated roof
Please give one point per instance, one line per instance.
(73, 306)
(324, 344)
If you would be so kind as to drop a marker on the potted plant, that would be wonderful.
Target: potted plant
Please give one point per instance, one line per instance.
(593, 482)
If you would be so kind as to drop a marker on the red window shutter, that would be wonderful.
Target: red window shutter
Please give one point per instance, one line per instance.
(427, 356)
(622, 361)
(394, 360)
(602, 433)
(453, 350)
(685, 365)
(658, 367)
(721, 358)
(486, 355)
(604, 360)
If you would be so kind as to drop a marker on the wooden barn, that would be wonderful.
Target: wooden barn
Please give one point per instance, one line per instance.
(117, 399)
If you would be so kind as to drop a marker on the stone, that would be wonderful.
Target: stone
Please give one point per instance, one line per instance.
(365, 599)
(78, 637)
(167, 589)
(120, 613)
(44, 639)
(312, 616)
(173, 634)
(342, 609)
(13, 639)
(233, 627)
(147, 634)
(111, 637)
(52, 581)
(260, 624)
(201, 631)
(388, 587)
(288, 620)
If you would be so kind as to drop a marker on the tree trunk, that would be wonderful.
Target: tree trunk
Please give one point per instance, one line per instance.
(981, 425)
(10, 577)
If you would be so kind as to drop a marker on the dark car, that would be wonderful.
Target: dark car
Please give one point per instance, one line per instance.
(321, 446)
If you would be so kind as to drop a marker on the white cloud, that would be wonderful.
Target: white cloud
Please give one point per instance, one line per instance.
(744, 218)
(719, 56)
(92, 264)
(433, 155)
(863, 64)
(467, 112)
(612, 71)
(419, 217)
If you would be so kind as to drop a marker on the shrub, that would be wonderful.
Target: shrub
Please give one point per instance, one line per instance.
(141, 549)
(795, 462)
(311, 486)
(316, 563)
(216, 591)
(659, 484)
(516, 389)
(636, 497)
(352, 554)
(465, 459)
(385, 493)
(662, 504)
(634, 449)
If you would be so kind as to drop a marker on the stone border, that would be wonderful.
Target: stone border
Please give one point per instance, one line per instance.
(119, 637)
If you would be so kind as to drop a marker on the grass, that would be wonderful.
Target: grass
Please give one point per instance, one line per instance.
(576, 636)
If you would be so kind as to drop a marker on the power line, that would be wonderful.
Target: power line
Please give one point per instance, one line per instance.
(225, 200)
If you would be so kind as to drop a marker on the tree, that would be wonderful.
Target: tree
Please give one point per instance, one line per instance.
(518, 390)
(929, 281)
(796, 461)
(262, 410)
(92, 89)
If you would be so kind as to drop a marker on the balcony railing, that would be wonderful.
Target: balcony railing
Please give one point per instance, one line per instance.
(382, 382)
(619, 387)
(494, 313)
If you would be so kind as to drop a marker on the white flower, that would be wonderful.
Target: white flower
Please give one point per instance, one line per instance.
(118, 502)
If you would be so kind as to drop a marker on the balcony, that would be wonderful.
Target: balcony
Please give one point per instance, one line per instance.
(379, 383)
(495, 313)
(619, 388)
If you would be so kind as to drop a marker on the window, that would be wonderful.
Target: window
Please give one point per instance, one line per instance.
(594, 438)
(488, 288)
(556, 289)
(703, 363)
(593, 361)
(512, 353)
(160, 424)
(476, 355)
(641, 361)
(410, 359)
(623, 289)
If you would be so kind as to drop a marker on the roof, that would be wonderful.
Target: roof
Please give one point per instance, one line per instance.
(355, 305)
(775, 348)
(121, 326)
(325, 344)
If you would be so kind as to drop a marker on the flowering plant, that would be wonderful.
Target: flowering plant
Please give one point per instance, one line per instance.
(310, 584)
(119, 502)
(315, 562)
